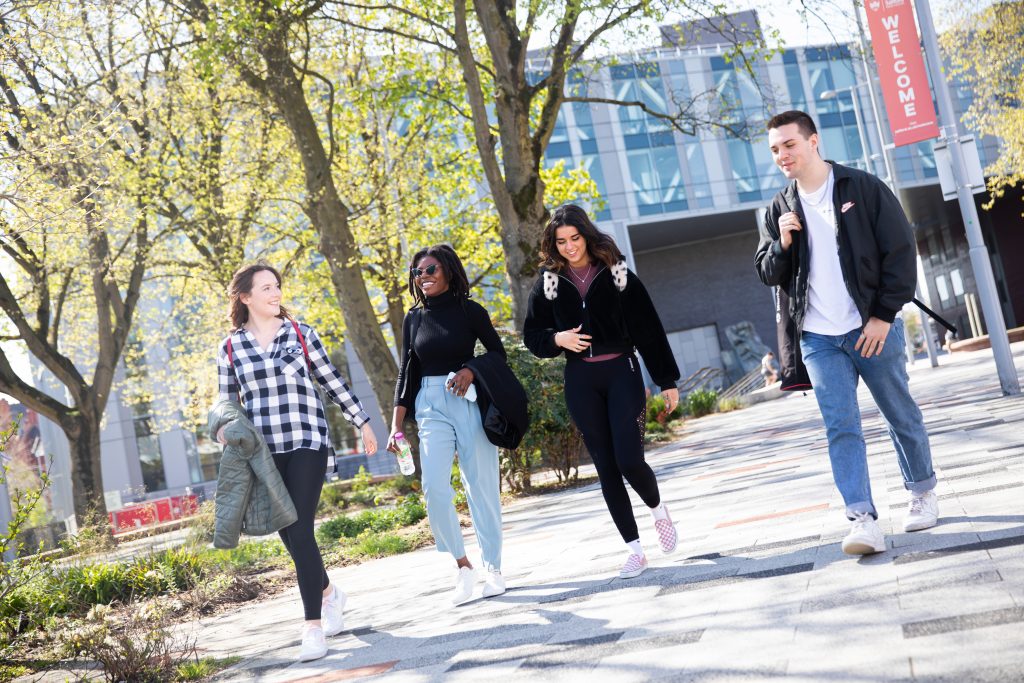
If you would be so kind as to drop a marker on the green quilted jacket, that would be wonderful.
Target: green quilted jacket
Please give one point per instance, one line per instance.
(251, 497)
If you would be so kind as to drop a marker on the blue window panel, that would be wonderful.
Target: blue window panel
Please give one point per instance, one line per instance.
(636, 141)
(662, 139)
(559, 149)
(622, 71)
(789, 57)
(592, 164)
(588, 146)
(795, 83)
(677, 205)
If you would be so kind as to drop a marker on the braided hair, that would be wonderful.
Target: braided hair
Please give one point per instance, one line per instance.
(451, 264)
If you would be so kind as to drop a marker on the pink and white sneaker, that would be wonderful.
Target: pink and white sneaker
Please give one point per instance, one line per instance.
(635, 566)
(667, 536)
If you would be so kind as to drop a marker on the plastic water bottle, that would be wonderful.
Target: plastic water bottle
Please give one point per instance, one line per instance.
(405, 463)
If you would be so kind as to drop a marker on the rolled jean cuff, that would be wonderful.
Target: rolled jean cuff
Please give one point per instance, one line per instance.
(857, 508)
(923, 486)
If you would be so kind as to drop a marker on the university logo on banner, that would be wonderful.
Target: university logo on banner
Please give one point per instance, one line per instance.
(897, 48)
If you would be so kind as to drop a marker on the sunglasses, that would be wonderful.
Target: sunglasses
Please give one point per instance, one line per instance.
(419, 272)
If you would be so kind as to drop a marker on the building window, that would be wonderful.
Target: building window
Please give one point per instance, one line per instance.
(591, 163)
(700, 182)
(657, 180)
(150, 456)
(958, 284)
(795, 83)
(641, 82)
(943, 289)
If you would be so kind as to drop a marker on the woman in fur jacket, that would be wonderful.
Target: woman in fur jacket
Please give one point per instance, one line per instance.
(588, 305)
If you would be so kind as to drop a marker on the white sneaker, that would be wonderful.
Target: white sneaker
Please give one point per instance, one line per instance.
(313, 645)
(332, 612)
(494, 584)
(865, 536)
(463, 586)
(923, 513)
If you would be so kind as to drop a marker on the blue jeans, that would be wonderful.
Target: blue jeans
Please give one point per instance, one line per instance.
(835, 368)
(448, 423)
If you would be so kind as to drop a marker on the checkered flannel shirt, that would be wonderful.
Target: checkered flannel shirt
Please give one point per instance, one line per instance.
(276, 390)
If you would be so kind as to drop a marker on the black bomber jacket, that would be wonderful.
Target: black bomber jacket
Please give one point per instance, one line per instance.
(617, 312)
(877, 255)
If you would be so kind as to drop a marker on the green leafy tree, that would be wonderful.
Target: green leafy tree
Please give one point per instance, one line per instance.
(515, 59)
(983, 48)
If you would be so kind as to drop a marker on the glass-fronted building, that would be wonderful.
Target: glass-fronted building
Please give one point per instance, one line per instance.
(684, 207)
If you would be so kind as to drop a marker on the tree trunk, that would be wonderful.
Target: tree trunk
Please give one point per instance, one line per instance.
(83, 434)
(330, 218)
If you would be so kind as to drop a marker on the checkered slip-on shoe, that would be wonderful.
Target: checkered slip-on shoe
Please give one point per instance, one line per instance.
(635, 566)
(667, 536)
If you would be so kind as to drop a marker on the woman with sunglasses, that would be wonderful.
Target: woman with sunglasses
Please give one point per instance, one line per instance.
(589, 306)
(438, 338)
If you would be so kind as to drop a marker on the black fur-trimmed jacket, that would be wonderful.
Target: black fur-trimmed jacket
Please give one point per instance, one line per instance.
(617, 312)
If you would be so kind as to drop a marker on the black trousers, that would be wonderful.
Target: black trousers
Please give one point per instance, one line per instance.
(607, 402)
(303, 473)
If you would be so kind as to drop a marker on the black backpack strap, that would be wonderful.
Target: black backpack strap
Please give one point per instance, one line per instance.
(935, 316)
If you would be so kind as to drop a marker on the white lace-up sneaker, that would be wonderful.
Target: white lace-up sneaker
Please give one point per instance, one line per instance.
(635, 566)
(923, 513)
(865, 536)
(332, 612)
(494, 584)
(313, 644)
(463, 586)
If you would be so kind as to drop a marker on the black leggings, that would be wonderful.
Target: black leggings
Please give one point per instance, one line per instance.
(607, 402)
(303, 474)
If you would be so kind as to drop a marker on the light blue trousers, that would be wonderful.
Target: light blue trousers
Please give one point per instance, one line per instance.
(450, 424)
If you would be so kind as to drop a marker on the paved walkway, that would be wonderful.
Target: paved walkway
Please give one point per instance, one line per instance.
(759, 588)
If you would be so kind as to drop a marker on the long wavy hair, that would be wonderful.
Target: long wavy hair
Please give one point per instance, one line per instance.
(600, 246)
(241, 283)
(451, 264)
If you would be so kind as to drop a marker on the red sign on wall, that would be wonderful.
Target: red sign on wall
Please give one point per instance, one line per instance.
(908, 99)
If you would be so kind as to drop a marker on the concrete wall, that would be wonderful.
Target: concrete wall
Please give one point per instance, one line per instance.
(709, 283)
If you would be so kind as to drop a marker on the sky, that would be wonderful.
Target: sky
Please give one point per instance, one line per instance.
(831, 21)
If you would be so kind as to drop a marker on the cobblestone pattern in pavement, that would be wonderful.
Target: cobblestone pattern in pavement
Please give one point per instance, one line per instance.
(757, 590)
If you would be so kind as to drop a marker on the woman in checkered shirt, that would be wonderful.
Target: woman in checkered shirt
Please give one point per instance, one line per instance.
(268, 363)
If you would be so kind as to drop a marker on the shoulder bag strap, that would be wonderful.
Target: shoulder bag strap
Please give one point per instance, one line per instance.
(231, 364)
(305, 351)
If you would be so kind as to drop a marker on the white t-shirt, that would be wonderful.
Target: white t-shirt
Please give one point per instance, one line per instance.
(830, 310)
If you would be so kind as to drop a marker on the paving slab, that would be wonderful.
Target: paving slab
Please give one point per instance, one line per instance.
(758, 589)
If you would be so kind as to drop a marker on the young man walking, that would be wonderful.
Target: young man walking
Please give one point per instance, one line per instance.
(837, 242)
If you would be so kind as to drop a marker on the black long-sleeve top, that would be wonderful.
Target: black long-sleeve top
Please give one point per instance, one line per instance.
(445, 340)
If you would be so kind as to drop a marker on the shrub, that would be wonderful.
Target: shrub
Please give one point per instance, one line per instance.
(202, 524)
(246, 555)
(701, 402)
(203, 668)
(552, 440)
(727, 405)
(657, 411)
(406, 513)
(332, 497)
(132, 647)
(379, 545)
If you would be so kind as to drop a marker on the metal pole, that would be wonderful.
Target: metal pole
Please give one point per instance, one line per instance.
(860, 129)
(890, 170)
(892, 180)
(979, 254)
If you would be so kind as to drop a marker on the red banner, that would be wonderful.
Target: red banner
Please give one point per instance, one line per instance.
(908, 99)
